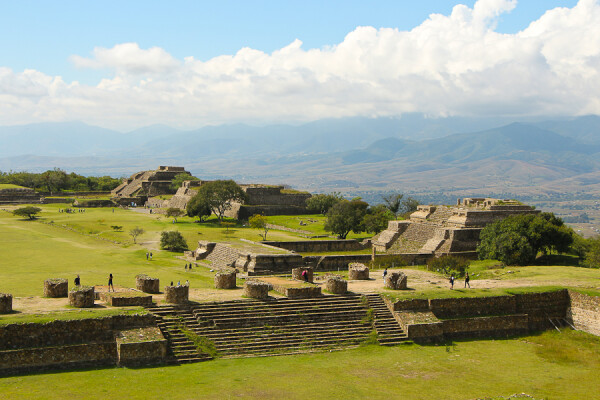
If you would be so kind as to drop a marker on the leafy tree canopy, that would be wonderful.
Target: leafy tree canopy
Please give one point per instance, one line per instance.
(180, 178)
(518, 239)
(346, 216)
(321, 203)
(399, 205)
(259, 222)
(376, 219)
(29, 212)
(172, 241)
(219, 195)
(198, 206)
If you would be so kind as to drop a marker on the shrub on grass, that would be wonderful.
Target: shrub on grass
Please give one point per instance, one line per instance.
(449, 265)
(172, 241)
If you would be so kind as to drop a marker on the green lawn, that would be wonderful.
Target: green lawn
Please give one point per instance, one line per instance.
(10, 186)
(552, 365)
(311, 223)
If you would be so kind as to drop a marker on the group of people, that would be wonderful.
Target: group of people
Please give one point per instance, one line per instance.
(70, 210)
(188, 267)
(77, 282)
(467, 280)
(149, 256)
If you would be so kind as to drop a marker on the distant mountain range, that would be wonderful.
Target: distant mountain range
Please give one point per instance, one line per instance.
(412, 153)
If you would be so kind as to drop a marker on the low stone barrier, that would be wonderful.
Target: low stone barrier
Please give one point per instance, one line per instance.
(82, 296)
(358, 271)
(475, 306)
(297, 274)
(257, 289)
(301, 291)
(142, 346)
(336, 285)
(585, 312)
(5, 303)
(56, 287)
(225, 279)
(177, 294)
(147, 284)
(420, 326)
(395, 281)
(493, 326)
(125, 300)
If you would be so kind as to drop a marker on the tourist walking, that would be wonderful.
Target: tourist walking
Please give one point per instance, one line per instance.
(305, 275)
(452, 282)
(384, 274)
(147, 255)
(150, 256)
(467, 279)
(77, 281)
(110, 283)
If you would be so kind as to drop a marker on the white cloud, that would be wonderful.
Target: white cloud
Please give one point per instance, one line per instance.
(448, 65)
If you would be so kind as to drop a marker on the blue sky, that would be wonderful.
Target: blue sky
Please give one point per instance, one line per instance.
(49, 37)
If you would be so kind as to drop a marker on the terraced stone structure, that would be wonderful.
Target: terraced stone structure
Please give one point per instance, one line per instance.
(82, 296)
(5, 303)
(147, 284)
(141, 185)
(20, 196)
(56, 287)
(441, 230)
(177, 294)
(225, 279)
(358, 271)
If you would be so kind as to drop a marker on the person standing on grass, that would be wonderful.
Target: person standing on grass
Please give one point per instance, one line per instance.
(77, 281)
(452, 282)
(467, 279)
(110, 283)
(384, 274)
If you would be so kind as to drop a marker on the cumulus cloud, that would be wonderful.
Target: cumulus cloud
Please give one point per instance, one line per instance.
(455, 64)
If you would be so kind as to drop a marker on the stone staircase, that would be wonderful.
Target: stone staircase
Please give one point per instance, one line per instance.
(389, 332)
(222, 256)
(181, 349)
(413, 239)
(440, 215)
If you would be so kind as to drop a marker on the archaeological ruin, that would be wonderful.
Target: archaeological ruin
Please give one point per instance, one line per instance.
(443, 230)
(141, 185)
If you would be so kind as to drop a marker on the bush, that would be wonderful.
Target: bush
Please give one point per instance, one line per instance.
(29, 212)
(449, 265)
(172, 241)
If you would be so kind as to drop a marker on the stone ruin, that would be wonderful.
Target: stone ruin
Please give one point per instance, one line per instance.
(358, 271)
(20, 195)
(257, 289)
(395, 281)
(147, 284)
(225, 279)
(179, 294)
(141, 185)
(56, 288)
(82, 297)
(443, 230)
(336, 284)
(5, 303)
(297, 274)
(261, 199)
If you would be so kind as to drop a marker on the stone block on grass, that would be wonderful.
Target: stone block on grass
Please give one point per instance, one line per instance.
(336, 284)
(147, 284)
(297, 274)
(257, 289)
(177, 294)
(395, 281)
(82, 296)
(5, 303)
(225, 279)
(358, 271)
(56, 287)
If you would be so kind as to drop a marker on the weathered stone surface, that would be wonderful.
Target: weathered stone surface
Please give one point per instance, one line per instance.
(56, 287)
(225, 279)
(395, 281)
(358, 271)
(336, 284)
(257, 289)
(585, 312)
(5, 303)
(297, 274)
(141, 346)
(177, 294)
(147, 284)
(316, 246)
(82, 296)
(124, 300)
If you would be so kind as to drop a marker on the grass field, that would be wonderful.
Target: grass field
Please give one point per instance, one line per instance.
(552, 365)
(10, 186)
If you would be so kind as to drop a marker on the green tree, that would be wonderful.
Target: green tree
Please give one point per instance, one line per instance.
(180, 178)
(346, 216)
(399, 205)
(198, 206)
(54, 180)
(219, 196)
(592, 254)
(135, 232)
(376, 219)
(259, 222)
(518, 239)
(321, 203)
(29, 212)
(172, 241)
(174, 212)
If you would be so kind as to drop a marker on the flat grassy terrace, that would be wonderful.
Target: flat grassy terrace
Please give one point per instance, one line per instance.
(10, 186)
(551, 365)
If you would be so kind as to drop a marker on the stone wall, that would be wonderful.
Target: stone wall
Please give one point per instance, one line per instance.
(335, 262)
(56, 287)
(177, 294)
(264, 264)
(316, 246)
(304, 292)
(82, 296)
(225, 279)
(541, 307)
(147, 284)
(5, 303)
(141, 351)
(358, 271)
(470, 307)
(297, 274)
(122, 300)
(20, 196)
(488, 327)
(257, 289)
(585, 312)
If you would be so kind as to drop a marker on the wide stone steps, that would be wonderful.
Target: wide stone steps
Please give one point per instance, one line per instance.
(389, 332)
(181, 349)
